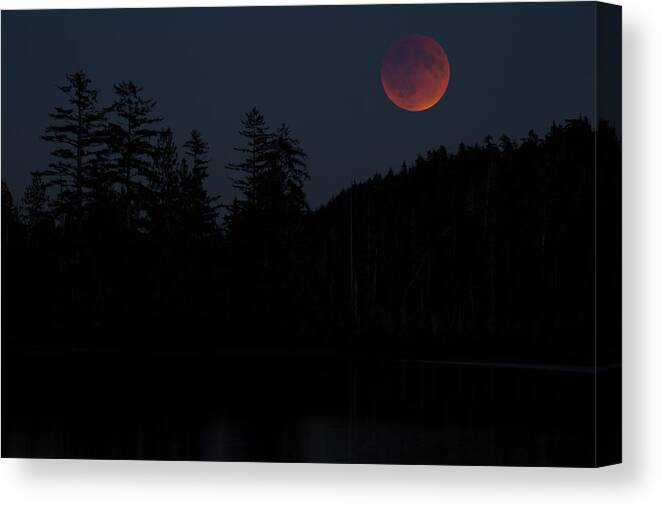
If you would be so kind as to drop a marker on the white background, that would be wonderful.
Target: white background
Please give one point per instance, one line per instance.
(636, 482)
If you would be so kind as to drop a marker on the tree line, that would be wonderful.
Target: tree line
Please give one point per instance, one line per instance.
(118, 236)
(484, 252)
(116, 166)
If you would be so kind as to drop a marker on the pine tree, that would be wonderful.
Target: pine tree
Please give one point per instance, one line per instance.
(77, 133)
(165, 203)
(202, 207)
(35, 203)
(10, 222)
(289, 159)
(253, 167)
(130, 140)
(198, 149)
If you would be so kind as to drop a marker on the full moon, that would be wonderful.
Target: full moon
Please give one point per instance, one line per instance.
(415, 72)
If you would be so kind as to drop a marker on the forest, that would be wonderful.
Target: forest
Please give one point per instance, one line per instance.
(484, 253)
(444, 312)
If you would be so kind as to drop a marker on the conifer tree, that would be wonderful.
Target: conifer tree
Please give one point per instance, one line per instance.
(130, 138)
(289, 159)
(202, 207)
(256, 151)
(79, 154)
(198, 149)
(35, 203)
(10, 220)
(165, 203)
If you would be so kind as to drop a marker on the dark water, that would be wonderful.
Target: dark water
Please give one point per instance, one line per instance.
(276, 407)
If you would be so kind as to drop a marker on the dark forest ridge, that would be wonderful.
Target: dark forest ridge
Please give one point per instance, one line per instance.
(483, 253)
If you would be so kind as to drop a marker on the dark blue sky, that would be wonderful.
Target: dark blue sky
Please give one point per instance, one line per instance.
(513, 67)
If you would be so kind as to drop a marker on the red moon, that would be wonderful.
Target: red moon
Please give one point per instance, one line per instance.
(415, 72)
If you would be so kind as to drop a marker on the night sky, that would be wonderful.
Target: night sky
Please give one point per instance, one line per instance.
(513, 67)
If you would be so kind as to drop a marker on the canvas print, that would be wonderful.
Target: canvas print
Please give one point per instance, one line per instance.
(383, 234)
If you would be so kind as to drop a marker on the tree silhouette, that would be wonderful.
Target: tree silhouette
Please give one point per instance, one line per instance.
(202, 207)
(130, 141)
(10, 216)
(289, 159)
(272, 175)
(197, 149)
(77, 133)
(166, 204)
(35, 203)
(251, 169)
